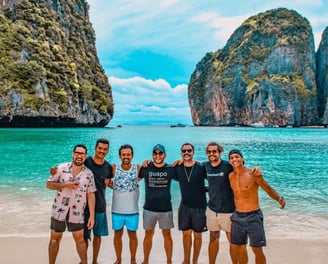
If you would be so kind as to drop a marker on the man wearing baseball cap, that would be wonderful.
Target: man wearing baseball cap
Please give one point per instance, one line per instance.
(157, 207)
(247, 219)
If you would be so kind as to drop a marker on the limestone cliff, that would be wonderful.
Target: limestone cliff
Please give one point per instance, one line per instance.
(50, 74)
(322, 77)
(264, 74)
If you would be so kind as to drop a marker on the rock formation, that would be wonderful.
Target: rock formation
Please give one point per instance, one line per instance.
(266, 74)
(50, 74)
(322, 77)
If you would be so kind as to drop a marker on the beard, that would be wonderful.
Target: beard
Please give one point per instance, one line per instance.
(78, 162)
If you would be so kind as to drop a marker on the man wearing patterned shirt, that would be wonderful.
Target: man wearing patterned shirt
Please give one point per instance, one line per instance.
(75, 187)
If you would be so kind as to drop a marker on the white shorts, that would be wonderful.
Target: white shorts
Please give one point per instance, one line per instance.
(218, 221)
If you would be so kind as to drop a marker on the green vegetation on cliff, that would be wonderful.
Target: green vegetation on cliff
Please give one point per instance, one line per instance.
(48, 56)
(265, 73)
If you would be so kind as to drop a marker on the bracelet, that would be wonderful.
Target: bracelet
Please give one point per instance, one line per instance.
(280, 197)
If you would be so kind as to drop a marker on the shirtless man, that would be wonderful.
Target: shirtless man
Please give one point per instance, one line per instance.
(247, 220)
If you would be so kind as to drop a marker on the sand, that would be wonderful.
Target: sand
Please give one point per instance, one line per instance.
(28, 250)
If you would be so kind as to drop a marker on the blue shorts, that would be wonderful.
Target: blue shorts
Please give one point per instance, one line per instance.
(244, 225)
(100, 228)
(131, 221)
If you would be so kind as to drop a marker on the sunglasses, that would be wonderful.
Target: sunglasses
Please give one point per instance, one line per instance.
(77, 153)
(160, 153)
(186, 150)
(212, 151)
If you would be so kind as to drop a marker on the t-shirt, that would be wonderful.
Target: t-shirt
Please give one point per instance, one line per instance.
(100, 172)
(219, 190)
(192, 185)
(71, 201)
(157, 187)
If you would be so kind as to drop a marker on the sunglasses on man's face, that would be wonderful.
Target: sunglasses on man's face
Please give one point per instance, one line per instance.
(77, 153)
(186, 150)
(159, 153)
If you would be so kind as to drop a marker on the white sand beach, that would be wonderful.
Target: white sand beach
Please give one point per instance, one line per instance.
(28, 250)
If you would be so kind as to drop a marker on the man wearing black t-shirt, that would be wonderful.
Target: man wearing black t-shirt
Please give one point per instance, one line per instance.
(102, 172)
(221, 204)
(157, 207)
(191, 217)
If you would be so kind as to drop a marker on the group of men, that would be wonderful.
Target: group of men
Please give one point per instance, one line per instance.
(232, 206)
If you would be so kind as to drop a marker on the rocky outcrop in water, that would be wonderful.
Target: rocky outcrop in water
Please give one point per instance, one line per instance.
(265, 74)
(50, 74)
(322, 77)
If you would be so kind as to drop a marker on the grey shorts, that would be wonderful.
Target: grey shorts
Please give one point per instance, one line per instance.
(250, 224)
(60, 226)
(164, 219)
(192, 218)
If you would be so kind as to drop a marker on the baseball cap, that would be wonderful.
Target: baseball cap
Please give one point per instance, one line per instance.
(235, 151)
(159, 147)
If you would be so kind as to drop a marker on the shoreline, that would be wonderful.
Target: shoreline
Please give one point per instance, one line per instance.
(291, 250)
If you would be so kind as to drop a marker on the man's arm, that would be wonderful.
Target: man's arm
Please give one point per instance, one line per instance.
(109, 176)
(53, 170)
(145, 163)
(52, 185)
(257, 171)
(270, 190)
(177, 162)
(91, 204)
(138, 172)
(109, 182)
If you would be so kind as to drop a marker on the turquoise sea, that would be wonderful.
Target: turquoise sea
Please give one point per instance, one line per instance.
(294, 162)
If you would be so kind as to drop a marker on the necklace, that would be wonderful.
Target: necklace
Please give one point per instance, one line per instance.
(188, 176)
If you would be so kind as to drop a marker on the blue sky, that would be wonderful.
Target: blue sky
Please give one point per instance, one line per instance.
(149, 48)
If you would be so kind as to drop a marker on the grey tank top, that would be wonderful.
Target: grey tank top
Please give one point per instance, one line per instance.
(125, 191)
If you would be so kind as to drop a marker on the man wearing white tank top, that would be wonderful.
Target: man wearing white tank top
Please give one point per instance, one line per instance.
(125, 211)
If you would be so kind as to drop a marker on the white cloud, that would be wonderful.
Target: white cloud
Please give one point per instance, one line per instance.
(178, 33)
(141, 101)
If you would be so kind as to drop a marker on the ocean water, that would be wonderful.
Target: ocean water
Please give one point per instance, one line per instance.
(294, 162)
